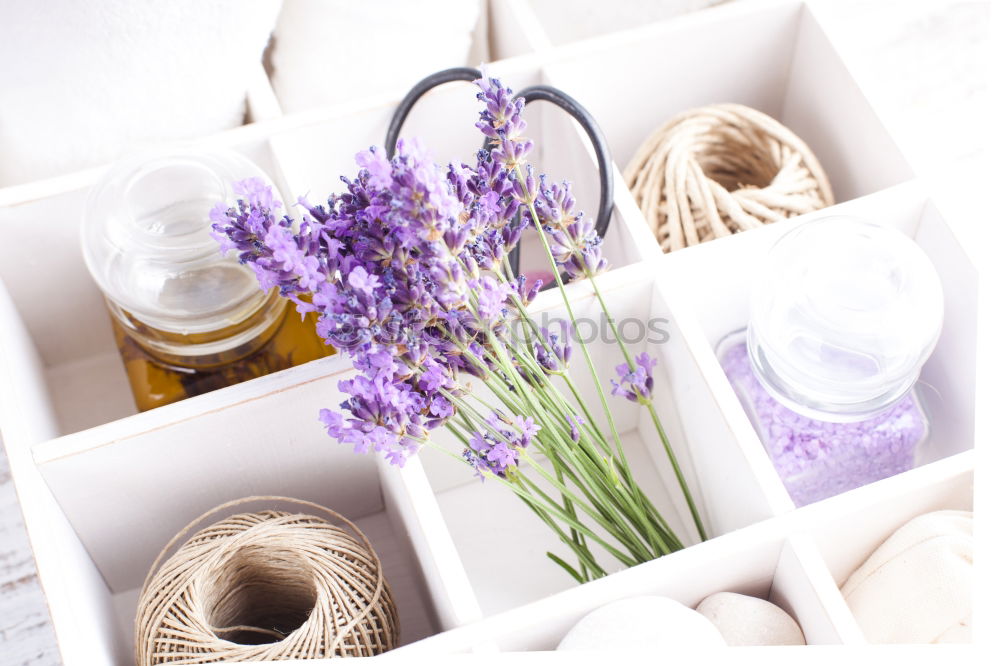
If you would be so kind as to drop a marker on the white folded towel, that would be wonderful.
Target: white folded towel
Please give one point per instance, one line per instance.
(917, 586)
(83, 82)
(330, 51)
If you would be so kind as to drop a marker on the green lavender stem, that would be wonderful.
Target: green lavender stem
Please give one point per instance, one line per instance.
(602, 488)
(656, 418)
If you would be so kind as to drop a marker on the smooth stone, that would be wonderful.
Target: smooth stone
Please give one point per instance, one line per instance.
(642, 623)
(917, 586)
(744, 620)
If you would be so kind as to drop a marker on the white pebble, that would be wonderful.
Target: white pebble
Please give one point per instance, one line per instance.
(642, 623)
(744, 620)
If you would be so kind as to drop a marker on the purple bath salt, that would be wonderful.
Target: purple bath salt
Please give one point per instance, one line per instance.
(819, 459)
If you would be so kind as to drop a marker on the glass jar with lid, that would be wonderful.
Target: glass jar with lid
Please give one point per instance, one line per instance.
(843, 315)
(186, 319)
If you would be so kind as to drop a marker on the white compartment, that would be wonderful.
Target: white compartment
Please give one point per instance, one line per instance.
(848, 530)
(797, 561)
(514, 29)
(772, 56)
(61, 306)
(106, 487)
(758, 562)
(564, 21)
(716, 278)
(493, 530)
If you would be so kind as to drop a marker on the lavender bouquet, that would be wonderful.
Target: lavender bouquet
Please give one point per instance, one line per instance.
(408, 271)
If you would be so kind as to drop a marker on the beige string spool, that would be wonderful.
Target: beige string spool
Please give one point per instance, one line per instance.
(265, 585)
(721, 169)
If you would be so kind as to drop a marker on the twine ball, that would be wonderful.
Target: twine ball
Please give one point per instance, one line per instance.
(721, 169)
(266, 585)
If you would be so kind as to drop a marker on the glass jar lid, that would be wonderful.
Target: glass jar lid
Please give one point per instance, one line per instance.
(843, 315)
(147, 243)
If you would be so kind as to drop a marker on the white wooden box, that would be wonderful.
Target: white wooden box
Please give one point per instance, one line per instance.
(103, 488)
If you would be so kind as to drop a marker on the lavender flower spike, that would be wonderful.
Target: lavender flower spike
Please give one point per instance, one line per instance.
(573, 240)
(501, 121)
(497, 451)
(278, 255)
(636, 385)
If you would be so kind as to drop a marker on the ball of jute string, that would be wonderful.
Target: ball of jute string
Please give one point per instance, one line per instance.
(721, 169)
(265, 585)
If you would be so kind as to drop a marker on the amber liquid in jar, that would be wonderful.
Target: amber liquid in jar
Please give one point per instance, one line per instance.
(187, 318)
(158, 377)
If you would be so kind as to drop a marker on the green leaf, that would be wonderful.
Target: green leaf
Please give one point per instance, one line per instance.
(570, 570)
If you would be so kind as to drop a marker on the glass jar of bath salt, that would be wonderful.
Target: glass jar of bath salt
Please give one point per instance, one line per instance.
(186, 319)
(843, 315)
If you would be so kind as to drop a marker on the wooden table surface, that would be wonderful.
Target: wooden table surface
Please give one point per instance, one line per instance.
(923, 63)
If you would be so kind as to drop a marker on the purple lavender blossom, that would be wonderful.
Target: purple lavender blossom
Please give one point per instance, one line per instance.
(526, 293)
(574, 240)
(574, 431)
(406, 270)
(575, 245)
(386, 415)
(363, 281)
(554, 352)
(278, 255)
(501, 119)
(497, 450)
(387, 289)
(375, 163)
(559, 337)
(243, 227)
(492, 298)
(636, 385)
